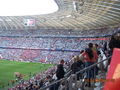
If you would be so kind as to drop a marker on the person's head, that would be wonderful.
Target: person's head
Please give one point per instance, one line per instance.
(90, 45)
(66, 63)
(96, 45)
(48, 77)
(72, 56)
(76, 58)
(81, 51)
(89, 52)
(117, 36)
(62, 61)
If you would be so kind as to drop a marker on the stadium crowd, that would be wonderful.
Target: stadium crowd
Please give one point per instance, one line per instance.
(87, 57)
(12, 44)
(56, 73)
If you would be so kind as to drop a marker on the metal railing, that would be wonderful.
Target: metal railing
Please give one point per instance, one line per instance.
(71, 82)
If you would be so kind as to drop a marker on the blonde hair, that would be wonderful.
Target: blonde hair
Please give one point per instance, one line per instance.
(81, 57)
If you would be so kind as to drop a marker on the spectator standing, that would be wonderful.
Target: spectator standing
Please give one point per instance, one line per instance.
(90, 57)
(114, 43)
(60, 70)
(77, 66)
(60, 73)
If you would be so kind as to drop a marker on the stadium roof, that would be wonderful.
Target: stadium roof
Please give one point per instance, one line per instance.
(72, 14)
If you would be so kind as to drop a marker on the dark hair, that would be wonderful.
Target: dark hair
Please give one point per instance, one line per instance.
(96, 45)
(81, 51)
(48, 77)
(90, 45)
(89, 52)
(62, 61)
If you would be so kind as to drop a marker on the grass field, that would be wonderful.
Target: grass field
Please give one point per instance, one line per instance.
(7, 69)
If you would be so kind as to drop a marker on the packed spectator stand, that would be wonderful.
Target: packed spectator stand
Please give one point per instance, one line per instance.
(45, 79)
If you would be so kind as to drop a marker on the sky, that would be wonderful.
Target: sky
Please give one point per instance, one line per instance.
(27, 7)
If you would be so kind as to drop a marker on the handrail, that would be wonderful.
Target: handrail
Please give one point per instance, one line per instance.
(69, 71)
(92, 65)
(87, 68)
(51, 84)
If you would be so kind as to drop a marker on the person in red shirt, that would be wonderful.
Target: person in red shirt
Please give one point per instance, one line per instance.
(90, 57)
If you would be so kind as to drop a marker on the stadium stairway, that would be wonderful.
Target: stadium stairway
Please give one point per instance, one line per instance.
(71, 82)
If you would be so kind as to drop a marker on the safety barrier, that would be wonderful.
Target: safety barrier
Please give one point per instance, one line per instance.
(71, 82)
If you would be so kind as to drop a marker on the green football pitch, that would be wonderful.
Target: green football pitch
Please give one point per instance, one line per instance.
(8, 68)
